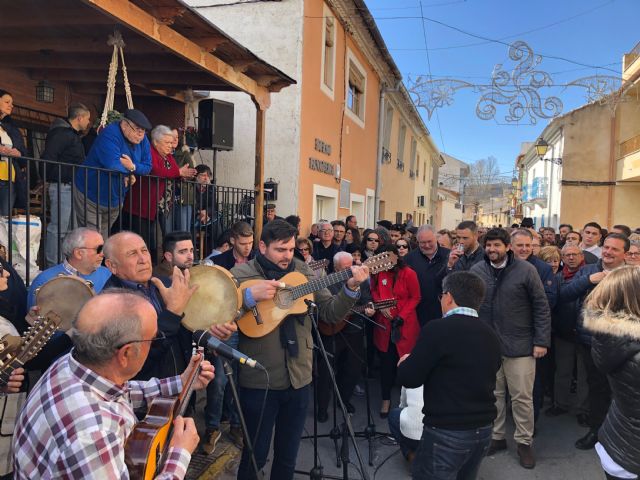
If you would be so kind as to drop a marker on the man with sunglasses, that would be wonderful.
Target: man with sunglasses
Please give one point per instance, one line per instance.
(82, 251)
(123, 149)
(128, 259)
(80, 430)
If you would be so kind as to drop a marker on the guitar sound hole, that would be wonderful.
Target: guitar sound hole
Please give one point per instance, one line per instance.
(283, 299)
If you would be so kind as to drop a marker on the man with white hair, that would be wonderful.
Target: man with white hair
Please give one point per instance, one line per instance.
(429, 261)
(82, 251)
(345, 345)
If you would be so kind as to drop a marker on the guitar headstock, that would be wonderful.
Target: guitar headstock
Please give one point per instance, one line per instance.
(9, 344)
(381, 262)
(37, 335)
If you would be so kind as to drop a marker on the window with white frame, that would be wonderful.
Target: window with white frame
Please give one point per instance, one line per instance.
(356, 87)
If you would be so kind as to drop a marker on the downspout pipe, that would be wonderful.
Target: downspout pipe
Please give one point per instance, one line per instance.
(381, 127)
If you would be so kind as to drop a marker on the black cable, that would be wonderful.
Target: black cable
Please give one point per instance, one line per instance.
(264, 405)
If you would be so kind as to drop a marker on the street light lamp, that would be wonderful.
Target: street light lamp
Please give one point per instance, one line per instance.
(541, 147)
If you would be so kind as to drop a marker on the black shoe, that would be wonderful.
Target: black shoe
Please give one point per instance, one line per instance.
(555, 411)
(583, 420)
(350, 408)
(588, 441)
(496, 446)
(323, 416)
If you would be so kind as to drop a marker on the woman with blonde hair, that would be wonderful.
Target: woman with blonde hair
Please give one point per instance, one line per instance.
(551, 256)
(612, 313)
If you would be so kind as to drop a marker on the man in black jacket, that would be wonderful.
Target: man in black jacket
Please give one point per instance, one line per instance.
(471, 252)
(517, 308)
(63, 148)
(456, 359)
(613, 256)
(429, 261)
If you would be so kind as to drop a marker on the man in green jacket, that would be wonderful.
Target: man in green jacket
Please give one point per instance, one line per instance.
(286, 352)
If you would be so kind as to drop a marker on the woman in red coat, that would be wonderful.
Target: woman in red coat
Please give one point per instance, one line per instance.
(401, 321)
(141, 206)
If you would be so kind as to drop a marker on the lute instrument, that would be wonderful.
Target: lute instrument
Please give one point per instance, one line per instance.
(147, 447)
(329, 329)
(22, 349)
(318, 264)
(290, 299)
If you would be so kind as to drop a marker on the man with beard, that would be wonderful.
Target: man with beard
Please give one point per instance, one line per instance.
(471, 253)
(178, 252)
(516, 307)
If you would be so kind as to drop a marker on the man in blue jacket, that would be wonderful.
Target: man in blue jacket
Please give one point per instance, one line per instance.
(123, 149)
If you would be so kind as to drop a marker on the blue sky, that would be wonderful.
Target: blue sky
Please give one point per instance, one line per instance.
(591, 32)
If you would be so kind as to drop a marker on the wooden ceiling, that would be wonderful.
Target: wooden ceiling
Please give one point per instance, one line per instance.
(66, 41)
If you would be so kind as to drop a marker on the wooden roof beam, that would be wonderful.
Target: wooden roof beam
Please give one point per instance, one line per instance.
(142, 22)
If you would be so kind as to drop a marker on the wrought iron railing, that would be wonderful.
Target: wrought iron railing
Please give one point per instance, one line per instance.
(54, 193)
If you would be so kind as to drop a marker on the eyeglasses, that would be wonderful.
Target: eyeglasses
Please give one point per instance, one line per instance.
(325, 230)
(571, 254)
(442, 295)
(402, 246)
(373, 240)
(159, 336)
(134, 127)
(631, 254)
(98, 249)
(304, 249)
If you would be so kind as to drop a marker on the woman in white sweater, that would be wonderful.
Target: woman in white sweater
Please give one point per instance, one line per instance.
(405, 422)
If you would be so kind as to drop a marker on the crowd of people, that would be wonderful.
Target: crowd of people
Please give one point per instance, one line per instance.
(468, 322)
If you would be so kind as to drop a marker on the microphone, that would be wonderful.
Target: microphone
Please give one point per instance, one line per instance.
(310, 303)
(206, 340)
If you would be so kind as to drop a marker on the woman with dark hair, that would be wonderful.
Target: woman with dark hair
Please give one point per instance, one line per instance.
(11, 145)
(356, 252)
(401, 322)
(612, 313)
(370, 244)
(403, 247)
(352, 236)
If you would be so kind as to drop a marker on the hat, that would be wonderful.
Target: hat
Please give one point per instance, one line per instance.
(398, 227)
(413, 230)
(386, 224)
(270, 206)
(527, 222)
(139, 118)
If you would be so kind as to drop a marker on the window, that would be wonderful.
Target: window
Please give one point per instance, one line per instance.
(402, 133)
(418, 167)
(356, 86)
(328, 53)
(412, 158)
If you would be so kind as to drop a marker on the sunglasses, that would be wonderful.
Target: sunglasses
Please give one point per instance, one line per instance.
(373, 240)
(402, 246)
(98, 249)
(304, 249)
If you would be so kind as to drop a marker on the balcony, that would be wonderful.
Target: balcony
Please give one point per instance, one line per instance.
(386, 155)
(536, 193)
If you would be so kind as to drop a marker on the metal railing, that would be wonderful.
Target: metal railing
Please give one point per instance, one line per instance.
(66, 196)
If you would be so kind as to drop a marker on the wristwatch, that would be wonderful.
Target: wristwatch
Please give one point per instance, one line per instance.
(357, 289)
(133, 169)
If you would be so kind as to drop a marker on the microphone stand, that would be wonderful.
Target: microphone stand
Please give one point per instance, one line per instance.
(348, 427)
(370, 430)
(228, 371)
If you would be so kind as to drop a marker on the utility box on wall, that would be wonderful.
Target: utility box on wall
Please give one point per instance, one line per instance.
(215, 124)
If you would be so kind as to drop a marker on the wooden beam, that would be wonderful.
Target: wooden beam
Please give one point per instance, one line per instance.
(167, 15)
(142, 22)
(210, 44)
(259, 169)
(14, 44)
(179, 78)
(158, 63)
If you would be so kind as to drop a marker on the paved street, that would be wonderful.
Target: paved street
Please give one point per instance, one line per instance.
(557, 457)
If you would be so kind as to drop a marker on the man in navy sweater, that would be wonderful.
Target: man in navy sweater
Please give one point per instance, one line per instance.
(456, 358)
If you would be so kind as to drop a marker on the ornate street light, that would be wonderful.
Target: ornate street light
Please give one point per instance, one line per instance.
(541, 147)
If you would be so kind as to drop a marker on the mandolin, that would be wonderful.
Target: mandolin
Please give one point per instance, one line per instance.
(329, 329)
(146, 448)
(19, 350)
(289, 300)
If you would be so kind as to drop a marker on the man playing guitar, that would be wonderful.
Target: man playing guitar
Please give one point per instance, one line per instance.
(80, 413)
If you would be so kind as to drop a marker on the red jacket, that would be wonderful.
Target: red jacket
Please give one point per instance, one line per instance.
(142, 199)
(406, 290)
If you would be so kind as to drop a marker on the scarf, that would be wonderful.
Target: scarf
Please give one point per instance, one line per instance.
(287, 329)
(567, 274)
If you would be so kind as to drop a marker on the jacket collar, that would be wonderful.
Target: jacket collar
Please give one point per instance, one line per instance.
(618, 324)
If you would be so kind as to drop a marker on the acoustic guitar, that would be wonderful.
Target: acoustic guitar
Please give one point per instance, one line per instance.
(146, 448)
(289, 300)
(20, 350)
(318, 264)
(329, 329)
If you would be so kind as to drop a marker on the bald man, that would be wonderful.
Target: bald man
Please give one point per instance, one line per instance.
(80, 413)
(128, 259)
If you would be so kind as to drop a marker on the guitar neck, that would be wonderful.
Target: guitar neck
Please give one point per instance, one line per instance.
(376, 306)
(9, 369)
(320, 283)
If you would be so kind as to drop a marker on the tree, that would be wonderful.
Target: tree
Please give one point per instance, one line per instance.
(484, 181)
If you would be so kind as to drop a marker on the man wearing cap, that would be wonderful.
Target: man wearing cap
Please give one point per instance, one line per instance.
(122, 148)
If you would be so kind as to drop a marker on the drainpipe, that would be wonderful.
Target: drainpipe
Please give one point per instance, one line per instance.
(612, 170)
(381, 118)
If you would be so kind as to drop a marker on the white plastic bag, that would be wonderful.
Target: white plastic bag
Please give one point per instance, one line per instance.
(20, 244)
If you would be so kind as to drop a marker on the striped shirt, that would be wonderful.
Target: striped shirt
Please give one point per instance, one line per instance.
(75, 423)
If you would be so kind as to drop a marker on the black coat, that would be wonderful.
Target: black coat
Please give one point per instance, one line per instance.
(430, 275)
(63, 145)
(516, 306)
(615, 349)
(227, 260)
(564, 316)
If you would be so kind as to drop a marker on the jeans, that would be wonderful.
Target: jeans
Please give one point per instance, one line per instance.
(599, 390)
(285, 410)
(178, 219)
(215, 392)
(58, 226)
(6, 202)
(406, 444)
(450, 454)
